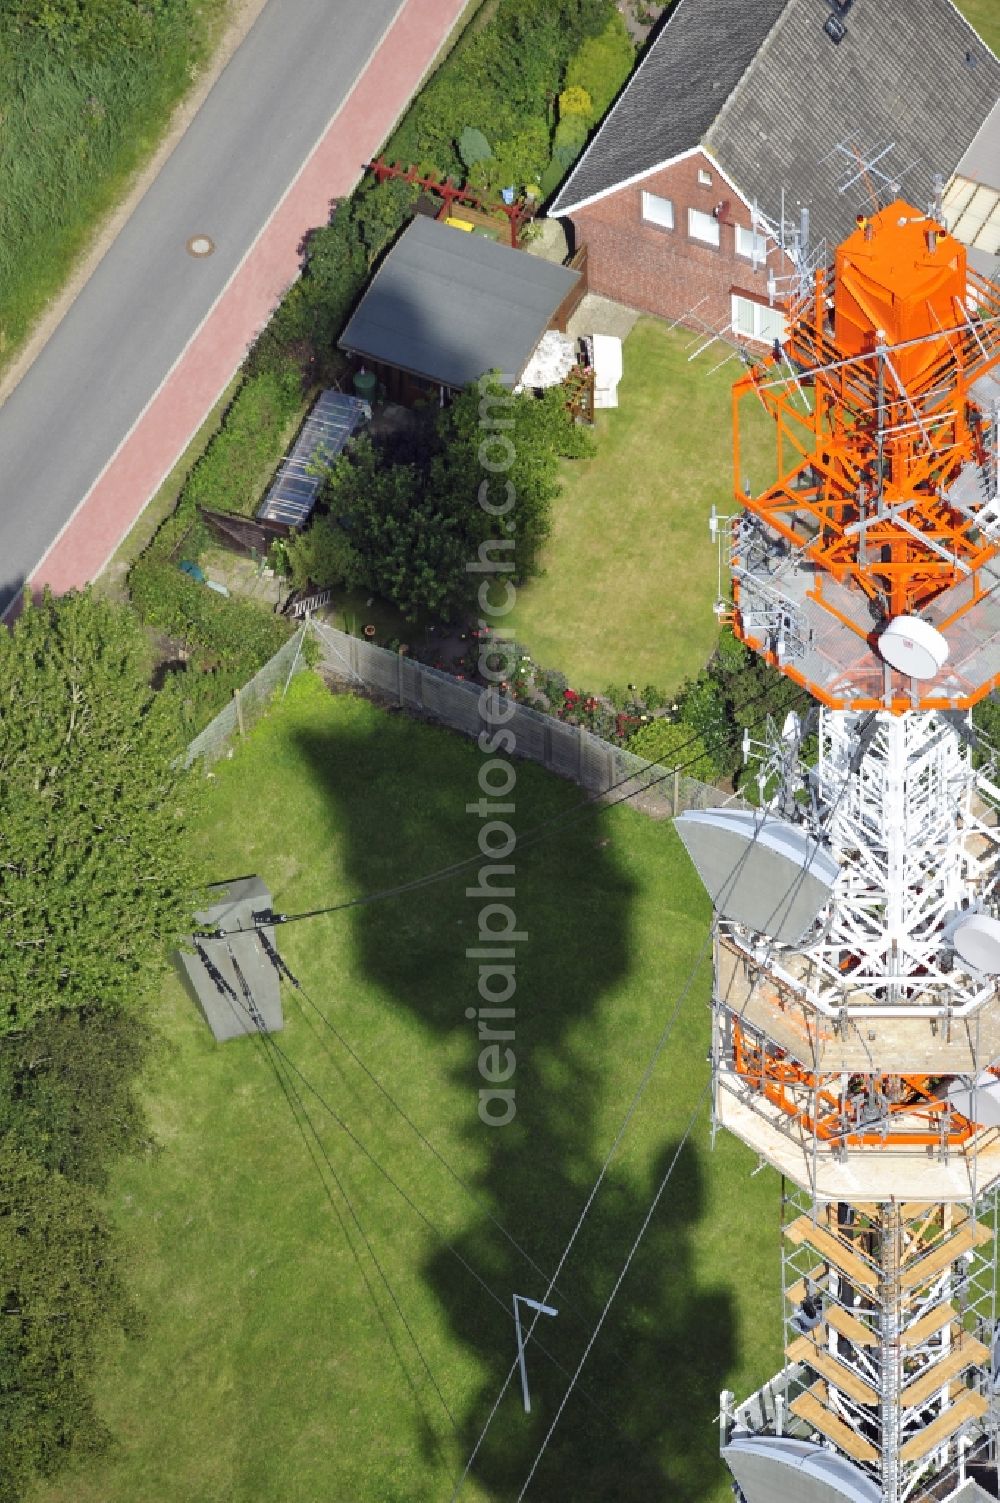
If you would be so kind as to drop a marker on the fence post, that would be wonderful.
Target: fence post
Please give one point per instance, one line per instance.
(352, 655)
(239, 711)
(677, 791)
(399, 678)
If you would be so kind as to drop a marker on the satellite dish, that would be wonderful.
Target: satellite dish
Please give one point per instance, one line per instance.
(765, 873)
(913, 647)
(977, 940)
(979, 1100)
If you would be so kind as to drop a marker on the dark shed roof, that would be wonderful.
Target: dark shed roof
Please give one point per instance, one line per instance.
(909, 73)
(448, 306)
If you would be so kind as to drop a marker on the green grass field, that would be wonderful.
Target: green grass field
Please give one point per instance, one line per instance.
(265, 1371)
(75, 131)
(985, 17)
(630, 571)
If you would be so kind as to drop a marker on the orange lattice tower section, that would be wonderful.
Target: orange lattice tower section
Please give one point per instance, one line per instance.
(884, 508)
(856, 996)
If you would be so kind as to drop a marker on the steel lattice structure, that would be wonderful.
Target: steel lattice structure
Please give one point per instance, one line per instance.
(856, 1008)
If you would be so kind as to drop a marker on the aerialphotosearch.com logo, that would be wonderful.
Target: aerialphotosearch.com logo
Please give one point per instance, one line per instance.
(498, 934)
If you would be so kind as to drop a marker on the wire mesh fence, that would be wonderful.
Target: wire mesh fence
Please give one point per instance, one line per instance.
(249, 703)
(571, 751)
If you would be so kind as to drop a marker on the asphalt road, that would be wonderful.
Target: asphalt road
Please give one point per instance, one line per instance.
(66, 418)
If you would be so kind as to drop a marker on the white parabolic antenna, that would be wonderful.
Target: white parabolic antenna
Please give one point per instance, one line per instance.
(913, 647)
(978, 943)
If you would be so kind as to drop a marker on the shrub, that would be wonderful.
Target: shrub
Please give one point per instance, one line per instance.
(473, 146)
(499, 77)
(232, 633)
(238, 463)
(324, 555)
(602, 64)
(517, 161)
(575, 101)
(705, 711)
(671, 744)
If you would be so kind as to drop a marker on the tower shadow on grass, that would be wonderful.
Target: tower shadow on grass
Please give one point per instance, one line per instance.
(639, 1425)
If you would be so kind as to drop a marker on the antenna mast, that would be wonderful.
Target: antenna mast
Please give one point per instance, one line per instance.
(856, 1005)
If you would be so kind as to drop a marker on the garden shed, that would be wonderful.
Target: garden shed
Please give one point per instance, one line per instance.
(231, 976)
(446, 306)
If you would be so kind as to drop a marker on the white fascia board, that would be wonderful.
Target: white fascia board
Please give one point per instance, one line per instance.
(628, 85)
(638, 177)
(725, 176)
(979, 38)
(628, 182)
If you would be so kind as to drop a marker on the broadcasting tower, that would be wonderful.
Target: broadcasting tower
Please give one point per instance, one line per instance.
(856, 1005)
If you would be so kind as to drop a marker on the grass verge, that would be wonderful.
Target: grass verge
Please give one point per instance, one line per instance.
(76, 131)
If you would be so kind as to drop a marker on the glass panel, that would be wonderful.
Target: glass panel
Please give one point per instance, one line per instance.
(743, 321)
(751, 245)
(703, 227)
(771, 323)
(658, 210)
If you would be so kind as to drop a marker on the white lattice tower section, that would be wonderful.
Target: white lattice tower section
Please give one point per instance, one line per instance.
(902, 823)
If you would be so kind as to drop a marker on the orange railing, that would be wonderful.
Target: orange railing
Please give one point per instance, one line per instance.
(913, 1113)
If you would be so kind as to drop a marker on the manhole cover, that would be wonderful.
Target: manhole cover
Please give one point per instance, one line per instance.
(200, 245)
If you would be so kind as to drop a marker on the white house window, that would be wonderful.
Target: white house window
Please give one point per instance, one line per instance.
(757, 321)
(704, 177)
(658, 210)
(751, 244)
(703, 227)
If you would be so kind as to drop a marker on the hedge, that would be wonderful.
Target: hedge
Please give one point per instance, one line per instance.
(218, 630)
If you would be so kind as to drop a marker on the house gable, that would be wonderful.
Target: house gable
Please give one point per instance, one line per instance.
(669, 270)
(772, 98)
(674, 94)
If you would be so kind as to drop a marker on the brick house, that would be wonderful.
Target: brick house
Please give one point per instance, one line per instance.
(742, 115)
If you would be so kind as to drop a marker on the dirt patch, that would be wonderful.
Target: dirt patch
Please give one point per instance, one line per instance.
(641, 16)
(243, 13)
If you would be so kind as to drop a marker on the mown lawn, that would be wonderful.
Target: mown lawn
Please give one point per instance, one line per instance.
(984, 15)
(265, 1372)
(630, 572)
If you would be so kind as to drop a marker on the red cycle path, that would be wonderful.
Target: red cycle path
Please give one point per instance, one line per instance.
(196, 381)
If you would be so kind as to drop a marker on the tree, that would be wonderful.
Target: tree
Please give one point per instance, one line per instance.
(95, 875)
(67, 1092)
(61, 1291)
(409, 531)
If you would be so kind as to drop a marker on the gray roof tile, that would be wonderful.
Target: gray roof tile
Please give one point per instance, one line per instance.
(784, 96)
(899, 77)
(675, 93)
